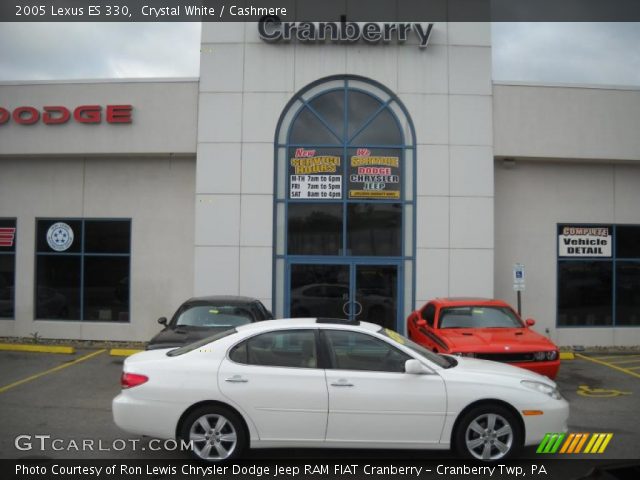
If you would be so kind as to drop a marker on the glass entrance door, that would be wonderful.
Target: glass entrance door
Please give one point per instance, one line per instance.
(376, 294)
(345, 290)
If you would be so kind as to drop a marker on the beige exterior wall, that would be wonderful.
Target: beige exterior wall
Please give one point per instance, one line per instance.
(156, 193)
(144, 171)
(566, 122)
(532, 197)
(447, 90)
(164, 118)
(576, 153)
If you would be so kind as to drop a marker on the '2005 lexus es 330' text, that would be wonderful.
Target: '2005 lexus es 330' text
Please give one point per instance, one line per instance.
(310, 383)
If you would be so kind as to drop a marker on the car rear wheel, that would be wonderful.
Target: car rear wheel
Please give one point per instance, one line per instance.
(488, 433)
(215, 434)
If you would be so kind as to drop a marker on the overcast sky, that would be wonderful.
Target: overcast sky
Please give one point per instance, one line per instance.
(585, 53)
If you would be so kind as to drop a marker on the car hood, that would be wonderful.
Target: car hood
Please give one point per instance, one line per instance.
(512, 340)
(182, 335)
(476, 367)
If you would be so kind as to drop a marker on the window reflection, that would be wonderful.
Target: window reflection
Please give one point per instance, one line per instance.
(628, 293)
(308, 130)
(330, 106)
(314, 229)
(584, 293)
(374, 229)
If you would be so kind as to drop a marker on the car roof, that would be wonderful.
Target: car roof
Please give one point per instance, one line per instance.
(469, 301)
(221, 299)
(306, 322)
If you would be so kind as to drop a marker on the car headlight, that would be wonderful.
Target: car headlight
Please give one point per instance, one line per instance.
(542, 356)
(542, 388)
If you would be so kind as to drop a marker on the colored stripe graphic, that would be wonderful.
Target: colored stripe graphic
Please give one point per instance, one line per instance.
(550, 443)
(573, 443)
(7, 236)
(598, 443)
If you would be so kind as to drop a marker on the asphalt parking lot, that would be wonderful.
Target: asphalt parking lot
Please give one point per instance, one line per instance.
(68, 397)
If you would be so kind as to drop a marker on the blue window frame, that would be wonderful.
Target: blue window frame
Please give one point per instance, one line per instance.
(598, 275)
(7, 267)
(345, 186)
(82, 269)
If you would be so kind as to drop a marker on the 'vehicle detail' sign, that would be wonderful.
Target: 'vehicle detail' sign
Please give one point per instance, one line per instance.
(584, 241)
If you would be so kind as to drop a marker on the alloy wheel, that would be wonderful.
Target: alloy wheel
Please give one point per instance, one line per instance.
(213, 437)
(489, 437)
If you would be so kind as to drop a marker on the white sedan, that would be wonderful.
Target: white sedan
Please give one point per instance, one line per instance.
(310, 383)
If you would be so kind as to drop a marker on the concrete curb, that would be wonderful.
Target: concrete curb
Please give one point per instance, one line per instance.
(567, 356)
(123, 352)
(20, 347)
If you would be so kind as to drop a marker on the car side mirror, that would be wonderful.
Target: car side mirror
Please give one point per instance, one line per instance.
(162, 321)
(530, 322)
(415, 367)
(421, 322)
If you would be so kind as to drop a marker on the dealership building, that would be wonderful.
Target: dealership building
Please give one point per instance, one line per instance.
(346, 178)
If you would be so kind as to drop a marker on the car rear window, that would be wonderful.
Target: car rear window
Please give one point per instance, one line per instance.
(201, 343)
(216, 316)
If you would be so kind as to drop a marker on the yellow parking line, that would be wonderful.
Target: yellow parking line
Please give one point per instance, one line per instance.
(123, 352)
(633, 368)
(51, 370)
(634, 360)
(20, 347)
(610, 365)
(613, 357)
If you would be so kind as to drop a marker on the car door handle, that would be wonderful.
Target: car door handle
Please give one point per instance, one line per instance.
(236, 379)
(342, 383)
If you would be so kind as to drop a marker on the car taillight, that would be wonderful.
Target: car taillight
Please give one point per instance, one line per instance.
(128, 380)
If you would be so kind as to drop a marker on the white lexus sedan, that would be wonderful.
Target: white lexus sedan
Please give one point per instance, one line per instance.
(309, 383)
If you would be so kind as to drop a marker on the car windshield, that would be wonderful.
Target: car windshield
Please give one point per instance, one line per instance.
(215, 316)
(479, 317)
(200, 343)
(441, 361)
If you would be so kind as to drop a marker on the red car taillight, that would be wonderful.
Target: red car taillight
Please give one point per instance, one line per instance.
(128, 380)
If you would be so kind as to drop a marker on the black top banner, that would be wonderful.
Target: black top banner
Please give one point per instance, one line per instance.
(318, 11)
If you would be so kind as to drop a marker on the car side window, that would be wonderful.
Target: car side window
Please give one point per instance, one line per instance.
(428, 314)
(288, 348)
(358, 351)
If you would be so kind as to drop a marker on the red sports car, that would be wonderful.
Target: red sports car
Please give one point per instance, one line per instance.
(483, 328)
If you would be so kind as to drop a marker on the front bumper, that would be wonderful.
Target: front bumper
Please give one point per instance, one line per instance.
(548, 369)
(553, 420)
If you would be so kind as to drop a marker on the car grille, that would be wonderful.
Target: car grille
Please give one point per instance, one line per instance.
(506, 357)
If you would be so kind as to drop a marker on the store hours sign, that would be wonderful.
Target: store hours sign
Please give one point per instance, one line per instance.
(314, 175)
(319, 174)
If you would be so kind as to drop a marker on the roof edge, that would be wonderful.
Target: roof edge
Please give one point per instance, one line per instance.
(100, 81)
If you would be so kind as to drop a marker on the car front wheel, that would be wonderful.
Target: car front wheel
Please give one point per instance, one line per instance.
(215, 434)
(488, 433)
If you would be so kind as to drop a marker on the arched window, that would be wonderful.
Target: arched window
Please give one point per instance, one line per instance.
(344, 203)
